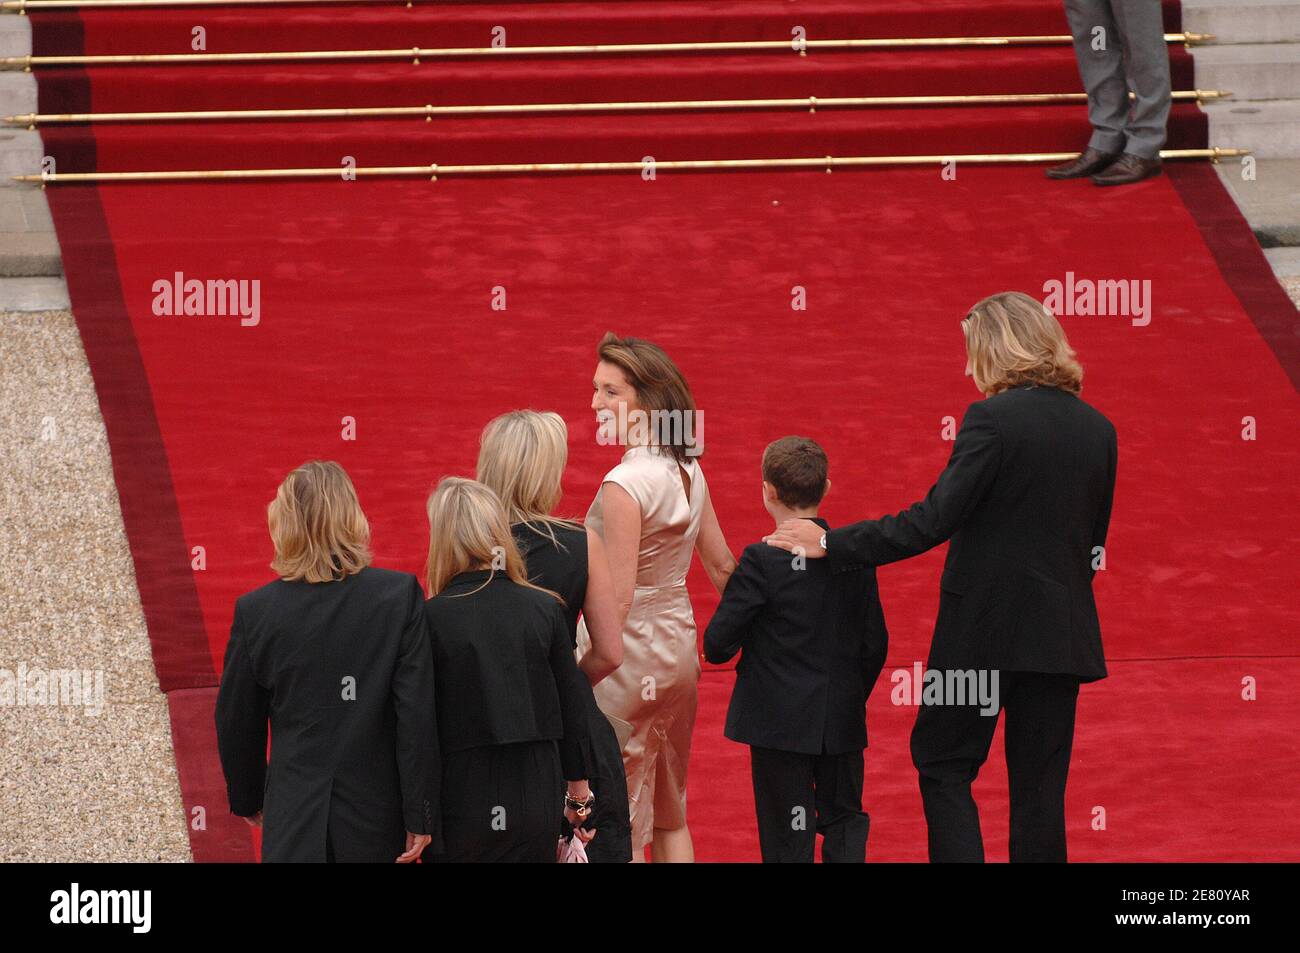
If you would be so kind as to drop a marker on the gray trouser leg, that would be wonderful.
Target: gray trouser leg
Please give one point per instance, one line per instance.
(1101, 67)
(1143, 36)
(1121, 43)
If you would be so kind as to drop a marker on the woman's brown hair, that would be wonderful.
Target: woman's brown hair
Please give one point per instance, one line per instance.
(660, 386)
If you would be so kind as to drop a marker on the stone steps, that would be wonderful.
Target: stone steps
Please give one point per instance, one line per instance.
(1256, 55)
(1250, 70)
(1243, 21)
(31, 266)
(1269, 128)
(1285, 261)
(1270, 201)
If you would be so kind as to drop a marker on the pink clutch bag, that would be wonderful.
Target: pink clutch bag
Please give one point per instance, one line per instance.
(571, 851)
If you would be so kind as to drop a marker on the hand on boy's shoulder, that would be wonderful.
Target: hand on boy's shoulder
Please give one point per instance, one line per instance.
(800, 536)
(775, 561)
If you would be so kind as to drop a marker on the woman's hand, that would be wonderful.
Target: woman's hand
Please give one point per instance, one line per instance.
(415, 843)
(584, 834)
(579, 791)
(798, 536)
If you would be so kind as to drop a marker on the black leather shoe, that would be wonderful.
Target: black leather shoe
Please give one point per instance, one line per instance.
(1092, 161)
(1128, 169)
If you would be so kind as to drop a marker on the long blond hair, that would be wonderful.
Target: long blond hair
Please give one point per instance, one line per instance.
(521, 458)
(467, 531)
(1011, 339)
(317, 526)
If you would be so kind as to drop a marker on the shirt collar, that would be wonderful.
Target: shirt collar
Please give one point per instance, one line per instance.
(470, 577)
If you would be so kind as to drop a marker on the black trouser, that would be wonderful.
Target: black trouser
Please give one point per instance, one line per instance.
(798, 796)
(950, 744)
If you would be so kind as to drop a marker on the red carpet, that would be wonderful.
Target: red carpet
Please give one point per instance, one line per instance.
(376, 305)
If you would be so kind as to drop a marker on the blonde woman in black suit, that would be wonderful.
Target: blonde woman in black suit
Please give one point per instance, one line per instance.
(511, 703)
(334, 657)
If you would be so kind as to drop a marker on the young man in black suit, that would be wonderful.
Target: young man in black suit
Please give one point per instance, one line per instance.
(814, 643)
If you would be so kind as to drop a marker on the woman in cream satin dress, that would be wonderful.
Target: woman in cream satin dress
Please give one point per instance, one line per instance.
(652, 510)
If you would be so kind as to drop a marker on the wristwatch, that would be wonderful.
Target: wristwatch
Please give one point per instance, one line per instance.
(822, 542)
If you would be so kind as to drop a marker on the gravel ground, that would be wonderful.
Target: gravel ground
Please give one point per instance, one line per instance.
(92, 777)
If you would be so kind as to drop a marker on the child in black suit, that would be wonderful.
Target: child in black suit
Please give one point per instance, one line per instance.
(814, 643)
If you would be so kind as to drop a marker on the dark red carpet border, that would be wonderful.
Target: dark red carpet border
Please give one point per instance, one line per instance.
(140, 465)
(1237, 252)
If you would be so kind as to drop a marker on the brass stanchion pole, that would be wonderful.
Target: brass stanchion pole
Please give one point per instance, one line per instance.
(811, 103)
(598, 49)
(530, 168)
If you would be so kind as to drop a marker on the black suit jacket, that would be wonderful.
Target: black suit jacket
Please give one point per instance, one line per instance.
(506, 671)
(344, 674)
(814, 642)
(1025, 498)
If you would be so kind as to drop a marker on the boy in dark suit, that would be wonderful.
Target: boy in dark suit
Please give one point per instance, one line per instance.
(814, 643)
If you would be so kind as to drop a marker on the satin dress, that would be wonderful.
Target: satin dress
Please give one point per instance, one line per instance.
(655, 688)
